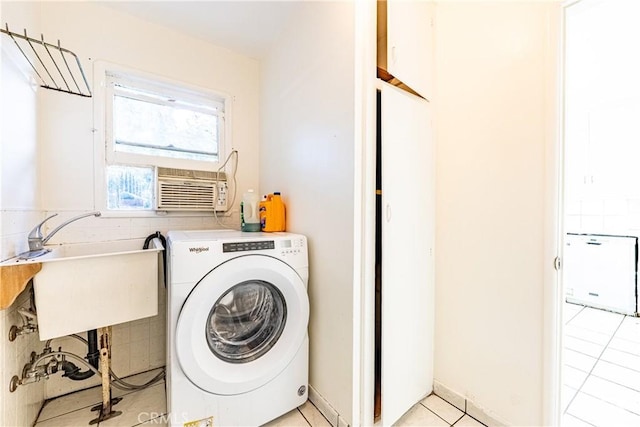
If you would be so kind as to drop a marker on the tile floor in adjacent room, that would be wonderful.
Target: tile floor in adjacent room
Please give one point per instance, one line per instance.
(601, 373)
(147, 408)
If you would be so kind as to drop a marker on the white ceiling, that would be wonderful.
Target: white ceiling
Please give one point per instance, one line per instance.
(247, 27)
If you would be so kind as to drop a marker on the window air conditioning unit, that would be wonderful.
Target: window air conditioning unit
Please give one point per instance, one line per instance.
(191, 190)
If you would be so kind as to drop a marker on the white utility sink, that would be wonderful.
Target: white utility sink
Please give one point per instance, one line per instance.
(91, 285)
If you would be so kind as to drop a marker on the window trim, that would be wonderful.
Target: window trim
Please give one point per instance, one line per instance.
(104, 155)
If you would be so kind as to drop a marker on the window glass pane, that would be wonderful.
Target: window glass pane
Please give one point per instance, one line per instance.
(168, 129)
(129, 187)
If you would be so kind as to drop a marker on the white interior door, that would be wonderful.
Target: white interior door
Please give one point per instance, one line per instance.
(410, 44)
(407, 252)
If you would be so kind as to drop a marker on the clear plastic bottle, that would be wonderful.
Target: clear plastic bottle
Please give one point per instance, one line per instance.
(250, 215)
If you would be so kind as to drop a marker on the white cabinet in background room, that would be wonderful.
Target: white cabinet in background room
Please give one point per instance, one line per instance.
(405, 43)
(600, 271)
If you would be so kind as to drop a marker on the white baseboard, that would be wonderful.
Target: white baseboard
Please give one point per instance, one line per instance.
(325, 408)
(468, 406)
(484, 415)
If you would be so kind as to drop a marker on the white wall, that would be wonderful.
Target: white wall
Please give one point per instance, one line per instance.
(20, 204)
(66, 147)
(494, 68)
(101, 33)
(307, 153)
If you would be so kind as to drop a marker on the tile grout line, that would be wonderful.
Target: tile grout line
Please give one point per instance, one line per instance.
(578, 418)
(613, 382)
(584, 339)
(461, 417)
(66, 413)
(160, 417)
(435, 413)
(581, 353)
(312, 404)
(594, 365)
(624, 351)
(77, 409)
(612, 403)
(617, 364)
(574, 316)
(38, 420)
(97, 386)
(305, 418)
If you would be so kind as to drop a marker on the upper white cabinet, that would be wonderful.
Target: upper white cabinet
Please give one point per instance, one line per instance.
(405, 43)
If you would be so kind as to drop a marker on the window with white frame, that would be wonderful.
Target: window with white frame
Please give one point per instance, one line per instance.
(151, 123)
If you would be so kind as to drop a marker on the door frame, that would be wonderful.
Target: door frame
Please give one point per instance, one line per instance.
(553, 290)
(364, 211)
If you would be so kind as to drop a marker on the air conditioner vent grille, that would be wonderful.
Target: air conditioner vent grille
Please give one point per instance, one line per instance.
(186, 195)
(191, 190)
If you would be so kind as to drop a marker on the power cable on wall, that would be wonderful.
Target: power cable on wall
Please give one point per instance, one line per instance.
(235, 186)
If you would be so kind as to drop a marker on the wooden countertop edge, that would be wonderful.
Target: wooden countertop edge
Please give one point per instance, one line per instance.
(14, 279)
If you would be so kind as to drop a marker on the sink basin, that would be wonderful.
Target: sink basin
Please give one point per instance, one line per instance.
(91, 285)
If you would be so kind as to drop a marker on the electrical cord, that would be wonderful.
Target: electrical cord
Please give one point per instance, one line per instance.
(235, 186)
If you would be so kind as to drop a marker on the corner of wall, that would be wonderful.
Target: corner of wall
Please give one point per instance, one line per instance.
(20, 206)
(484, 415)
(21, 407)
(325, 408)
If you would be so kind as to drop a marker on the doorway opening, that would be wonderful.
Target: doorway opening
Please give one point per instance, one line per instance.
(600, 327)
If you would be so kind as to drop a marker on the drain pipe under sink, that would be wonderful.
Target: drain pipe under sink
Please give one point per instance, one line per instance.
(72, 371)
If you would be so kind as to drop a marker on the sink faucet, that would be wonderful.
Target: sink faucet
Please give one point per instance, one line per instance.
(37, 240)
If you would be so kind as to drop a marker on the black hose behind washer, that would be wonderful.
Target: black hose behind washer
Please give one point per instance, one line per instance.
(164, 252)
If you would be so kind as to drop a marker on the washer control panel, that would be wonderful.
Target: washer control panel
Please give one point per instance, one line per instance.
(259, 245)
(290, 246)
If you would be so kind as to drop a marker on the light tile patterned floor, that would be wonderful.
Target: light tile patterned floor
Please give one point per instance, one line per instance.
(433, 411)
(601, 385)
(147, 408)
(144, 408)
(601, 379)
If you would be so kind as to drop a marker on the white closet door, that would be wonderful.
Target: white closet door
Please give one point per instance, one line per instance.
(407, 252)
(410, 43)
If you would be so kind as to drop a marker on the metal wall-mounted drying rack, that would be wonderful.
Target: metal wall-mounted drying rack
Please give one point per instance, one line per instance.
(63, 78)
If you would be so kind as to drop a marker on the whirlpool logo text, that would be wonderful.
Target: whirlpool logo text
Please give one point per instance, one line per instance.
(200, 249)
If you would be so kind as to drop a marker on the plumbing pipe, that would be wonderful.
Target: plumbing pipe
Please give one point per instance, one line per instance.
(72, 371)
(116, 382)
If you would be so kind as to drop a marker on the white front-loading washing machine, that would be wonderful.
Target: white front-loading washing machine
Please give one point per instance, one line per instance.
(238, 311)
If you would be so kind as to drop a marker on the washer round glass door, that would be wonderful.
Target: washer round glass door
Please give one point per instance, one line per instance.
(242, 324)
(246, 321)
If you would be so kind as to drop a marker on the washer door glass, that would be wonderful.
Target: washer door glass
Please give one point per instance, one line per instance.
(241, 324)
(246, 321)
